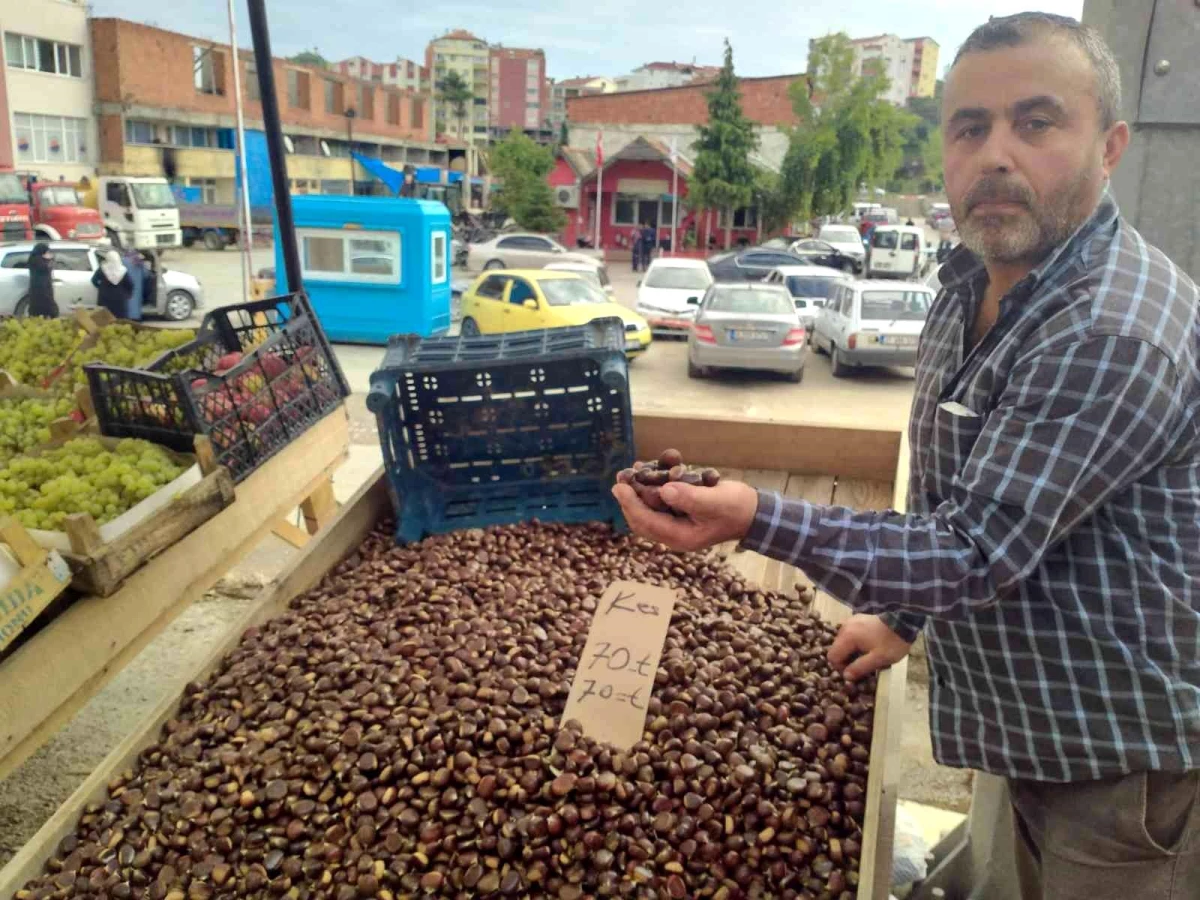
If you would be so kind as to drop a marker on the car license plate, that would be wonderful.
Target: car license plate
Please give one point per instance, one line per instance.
(741, 335)
(894, 340)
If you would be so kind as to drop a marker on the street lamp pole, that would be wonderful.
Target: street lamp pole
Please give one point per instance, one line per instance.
(350, 114)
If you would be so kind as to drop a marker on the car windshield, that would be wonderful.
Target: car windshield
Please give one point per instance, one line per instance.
(153, 195)
(841, 235)
(11, 190)
(677, 278)
(741, 300)
(62, 195)
(811, 286)
(571, 292)
(885, 240)
(893, 306)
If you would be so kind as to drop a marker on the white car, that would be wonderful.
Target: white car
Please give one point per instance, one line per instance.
(594, 271)
(872, 323)
(897, 251)
(670, 292)
(810, 287)
(847, 239)
(176, 294)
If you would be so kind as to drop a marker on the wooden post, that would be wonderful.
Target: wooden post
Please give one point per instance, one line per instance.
(84, 534)
(320, 507)
(204, 453)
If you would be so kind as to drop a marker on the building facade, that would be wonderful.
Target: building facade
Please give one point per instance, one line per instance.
(925, 53)
(656, 75)
(50, 127)
(165, 106)
(462, 52)
(519, 95)
(568, 89)
(910, 64)
(403, 73)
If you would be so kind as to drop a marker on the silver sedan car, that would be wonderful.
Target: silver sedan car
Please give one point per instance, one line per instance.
(747, 326)
(523, 251)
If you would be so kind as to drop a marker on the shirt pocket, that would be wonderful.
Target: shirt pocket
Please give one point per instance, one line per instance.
(956, 428)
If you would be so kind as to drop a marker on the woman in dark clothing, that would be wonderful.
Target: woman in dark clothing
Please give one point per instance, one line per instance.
(41, 283)
(114, 287)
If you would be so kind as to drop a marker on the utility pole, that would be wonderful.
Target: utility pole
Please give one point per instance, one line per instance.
(350, 113)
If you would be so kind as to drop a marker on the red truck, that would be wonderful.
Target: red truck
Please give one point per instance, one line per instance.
(58, 214)
(14, 209)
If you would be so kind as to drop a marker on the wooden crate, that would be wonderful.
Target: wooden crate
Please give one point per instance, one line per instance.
(871, 478)
(42, 577)
(46, 680)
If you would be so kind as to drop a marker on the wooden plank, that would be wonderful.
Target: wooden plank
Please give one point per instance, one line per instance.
(50, 677)
(864, 493)
(755, 567)
(763, 444)
(42, 577)
(341, 538)
(292, 533)
(319, 507)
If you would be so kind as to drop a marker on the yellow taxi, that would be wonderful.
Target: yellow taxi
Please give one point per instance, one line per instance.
(502, 300)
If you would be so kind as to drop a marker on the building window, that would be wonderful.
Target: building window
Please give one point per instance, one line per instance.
(333, 255)
(40, 55)
(393, 109)
(746, 217)
(138, 132)
(366, 102)
(208, 189)
(297, 89)
(50, 139)
(208, 70)
(252, 90)
(418, 112)
(630, 209)
(333, 97)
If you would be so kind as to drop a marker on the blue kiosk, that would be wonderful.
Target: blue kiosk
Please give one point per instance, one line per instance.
(373, 266)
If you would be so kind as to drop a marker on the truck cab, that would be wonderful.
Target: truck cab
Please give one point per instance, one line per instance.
(14, 209)
(59, 214)
(139, 212)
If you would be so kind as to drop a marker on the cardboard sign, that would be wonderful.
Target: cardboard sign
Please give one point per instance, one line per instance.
(615, 675)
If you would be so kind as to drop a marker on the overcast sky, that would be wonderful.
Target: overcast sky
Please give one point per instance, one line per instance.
(598, 37)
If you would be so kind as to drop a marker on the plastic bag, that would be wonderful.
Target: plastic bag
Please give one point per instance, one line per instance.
(909, 850)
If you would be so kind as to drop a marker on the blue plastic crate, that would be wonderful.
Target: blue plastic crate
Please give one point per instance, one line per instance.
(498, 429)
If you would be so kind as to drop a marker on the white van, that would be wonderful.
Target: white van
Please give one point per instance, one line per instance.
(896, 251)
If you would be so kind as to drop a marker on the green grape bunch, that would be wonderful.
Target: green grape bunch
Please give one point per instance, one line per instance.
(30, 349)
(25, 422)
(83, 476)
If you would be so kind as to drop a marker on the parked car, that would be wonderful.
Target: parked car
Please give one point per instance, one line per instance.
(815, 252)
(896, 251)
(507, 300)
(847, 240)
(872, 323)
(782, 242)
(669, 293)
(176, 294)
(593, 271)
(747, 326)
(750, 265)
(877, 217)
(522, 251)
(809, 287)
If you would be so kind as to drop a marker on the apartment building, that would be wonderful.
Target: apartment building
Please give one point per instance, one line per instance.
(569, 88)
(910, 64)
(404, 74)
(519, 95)
(655, 75)
(45, 53)
(461, 52)
(925, 52)
(164, 103)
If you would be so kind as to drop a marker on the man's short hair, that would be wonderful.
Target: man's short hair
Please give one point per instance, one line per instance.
(1018, 29)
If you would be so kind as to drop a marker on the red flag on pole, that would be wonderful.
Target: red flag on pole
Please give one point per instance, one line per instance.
(599, 148)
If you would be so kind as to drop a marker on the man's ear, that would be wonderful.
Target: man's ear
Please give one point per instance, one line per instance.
(1115, 143)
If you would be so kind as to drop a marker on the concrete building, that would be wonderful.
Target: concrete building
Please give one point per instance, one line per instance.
(403, 73)
(50, 125)
(665, 74)
(910, 64)
(568, 89)
(519, 96)
(460, 51)
(165, 105)
(637, 130)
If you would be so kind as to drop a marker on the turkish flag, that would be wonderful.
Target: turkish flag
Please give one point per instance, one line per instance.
(599, 148)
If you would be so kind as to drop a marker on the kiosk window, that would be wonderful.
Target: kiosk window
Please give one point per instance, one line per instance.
(335, 255)
(438, 252)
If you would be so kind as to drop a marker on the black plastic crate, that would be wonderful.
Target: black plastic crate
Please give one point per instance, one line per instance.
(287, 379)
(498, 429)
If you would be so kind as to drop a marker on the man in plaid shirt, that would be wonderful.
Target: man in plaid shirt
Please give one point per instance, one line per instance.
(1051, 552)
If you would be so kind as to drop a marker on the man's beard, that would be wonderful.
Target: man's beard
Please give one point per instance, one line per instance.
(1027, 234)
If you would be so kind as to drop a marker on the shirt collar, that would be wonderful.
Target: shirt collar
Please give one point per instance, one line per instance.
(962, 266)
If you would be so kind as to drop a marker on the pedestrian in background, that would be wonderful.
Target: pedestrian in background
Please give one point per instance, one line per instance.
(635, 246)
(137, 274)
(649, 239)
(113, 285)
(41, 283)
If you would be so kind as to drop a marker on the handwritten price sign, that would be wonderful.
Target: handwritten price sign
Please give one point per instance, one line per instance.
(615, 675)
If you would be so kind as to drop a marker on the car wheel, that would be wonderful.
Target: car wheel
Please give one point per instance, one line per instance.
(470, 328)
(816, 344)
(179, 306)
(214, 240)
(797, 376)
(837, 367)
(695, 371)
(21, 310)
(493, 264)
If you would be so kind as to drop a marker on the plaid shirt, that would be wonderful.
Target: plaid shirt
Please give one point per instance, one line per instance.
(1053, 529)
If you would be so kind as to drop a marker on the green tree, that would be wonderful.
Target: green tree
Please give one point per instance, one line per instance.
(847, 135)
(310, 58)
(457, 94)
(931, 159)
(723, 178)
(522, 165)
